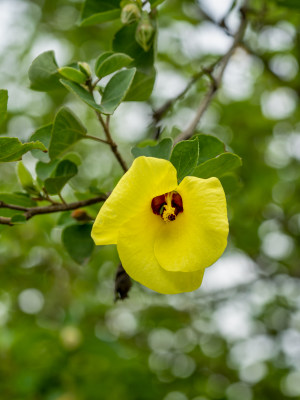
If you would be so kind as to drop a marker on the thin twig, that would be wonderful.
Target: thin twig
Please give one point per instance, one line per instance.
(216, 81)
(96, 139)
(160, 112)
(109, 140)
(61, 198)
(32, 211)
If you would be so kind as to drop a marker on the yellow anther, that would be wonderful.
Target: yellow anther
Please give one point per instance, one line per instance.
(169, 211)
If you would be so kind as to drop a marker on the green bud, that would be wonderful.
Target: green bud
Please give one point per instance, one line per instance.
(85, 68)
(131, 12)
(145, 32)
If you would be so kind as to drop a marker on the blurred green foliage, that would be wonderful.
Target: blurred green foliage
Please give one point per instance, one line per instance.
(238, 336)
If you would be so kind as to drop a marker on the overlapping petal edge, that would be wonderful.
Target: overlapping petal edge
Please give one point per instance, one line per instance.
(166, 257)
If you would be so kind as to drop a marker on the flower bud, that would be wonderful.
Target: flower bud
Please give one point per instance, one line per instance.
(130, 13)
(80, 215)
(145, 32)
(85, 68)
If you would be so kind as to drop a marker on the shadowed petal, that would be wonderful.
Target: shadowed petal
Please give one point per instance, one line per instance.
(198, 236)
(136, 251)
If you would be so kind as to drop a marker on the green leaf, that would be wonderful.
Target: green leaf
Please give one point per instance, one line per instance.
(108, 63)
(11, 149)
(85, 96)
(66, 130)
(25, 179)
(64, 171)
(74, 157)
(155, 3)
(18, 219)
(294, 4)
(78, 242)
(160, 150)
(43, 73)
(98, 11)
(124, 42)
(218, 166)
(116, 89)
(141, 87)
(209, 147)
(3, 105)
(231, 184)
(44, 170)
(72, 74)
(43, 135)
(184, 157)
(18, 199)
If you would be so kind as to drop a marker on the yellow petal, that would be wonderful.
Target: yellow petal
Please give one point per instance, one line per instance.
(148, 177)
(198, 236)
(136, 252)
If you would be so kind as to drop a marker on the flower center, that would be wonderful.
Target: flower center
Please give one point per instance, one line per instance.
(167, 205)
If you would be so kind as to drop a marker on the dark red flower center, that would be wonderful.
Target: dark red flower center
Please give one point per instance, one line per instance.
(167, 205)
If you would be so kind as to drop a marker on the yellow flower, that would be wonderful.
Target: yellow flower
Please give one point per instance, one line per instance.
(166, 234)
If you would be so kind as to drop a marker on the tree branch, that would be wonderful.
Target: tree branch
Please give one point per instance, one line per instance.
(105, 125)
(31, 212)
(112, 144)
(216, 78)
(160, 112)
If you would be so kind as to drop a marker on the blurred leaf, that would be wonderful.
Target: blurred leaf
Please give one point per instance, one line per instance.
(98, 11)
(82, 94)
(294, 4)
(11, 149)
(43, 135)
(218, 166)
(66, 130)
(64, 171)
(124, 42)
(19, 199)
(18, 219)
(108, 63)
(25, 179)
(44, 170)
(230, 183)
(209, 147)
(78, 242)
(74, 157)
(184, 157)
(142, 86)
(43, 73)
(72, 74)
(160, 150)
(3, 105)
(155, 3)
(116, 89)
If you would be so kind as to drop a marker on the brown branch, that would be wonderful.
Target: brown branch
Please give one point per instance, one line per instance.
(96, 139)
(109, 139)
(217, 78)
(31, 212)
(160, 112)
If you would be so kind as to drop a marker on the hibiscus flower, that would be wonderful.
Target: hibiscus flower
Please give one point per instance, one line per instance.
(166, 233)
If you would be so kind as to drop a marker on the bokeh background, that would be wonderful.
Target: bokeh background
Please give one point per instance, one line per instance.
(238, 336)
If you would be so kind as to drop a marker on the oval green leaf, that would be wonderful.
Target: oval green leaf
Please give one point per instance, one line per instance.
(78, 242)
(218, 166)
(112, 63)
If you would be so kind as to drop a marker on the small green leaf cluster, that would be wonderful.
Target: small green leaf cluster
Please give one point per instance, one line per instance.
(203, 156)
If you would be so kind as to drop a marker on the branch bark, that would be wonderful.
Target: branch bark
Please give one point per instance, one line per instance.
(217, 78)
(31, 212)
(105, 125)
